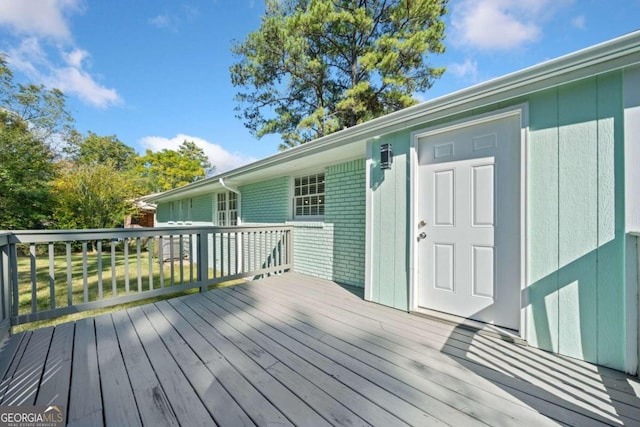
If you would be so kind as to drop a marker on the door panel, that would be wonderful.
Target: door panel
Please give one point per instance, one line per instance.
(469, 199)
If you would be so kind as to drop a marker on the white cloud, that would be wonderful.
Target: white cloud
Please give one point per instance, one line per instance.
(72, 78)
(222, 159)
(45, 50)
(161, 21)
(501, 24)
(468, 69)
(44, 18)
(579, 22)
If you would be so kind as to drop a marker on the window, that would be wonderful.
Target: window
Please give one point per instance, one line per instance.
(227, 211)
(308, 199)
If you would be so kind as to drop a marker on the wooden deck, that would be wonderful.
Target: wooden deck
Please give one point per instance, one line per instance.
(292, 349)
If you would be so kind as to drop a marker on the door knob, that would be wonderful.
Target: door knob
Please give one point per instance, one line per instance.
(422, 235)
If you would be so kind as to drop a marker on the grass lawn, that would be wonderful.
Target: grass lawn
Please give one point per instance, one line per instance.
(182, 273)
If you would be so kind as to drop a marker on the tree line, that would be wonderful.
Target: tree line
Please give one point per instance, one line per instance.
(52, 176)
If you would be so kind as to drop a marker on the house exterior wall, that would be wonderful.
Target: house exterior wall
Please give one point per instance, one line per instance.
(266, 202)
(202, 209)
(576, 240)
(575, 214)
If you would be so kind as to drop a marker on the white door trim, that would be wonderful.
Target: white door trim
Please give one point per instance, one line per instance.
(519, 110)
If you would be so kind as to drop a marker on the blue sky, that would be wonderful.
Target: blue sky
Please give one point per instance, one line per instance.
(156, 72)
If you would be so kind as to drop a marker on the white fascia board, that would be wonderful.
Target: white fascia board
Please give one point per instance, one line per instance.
(604, 57)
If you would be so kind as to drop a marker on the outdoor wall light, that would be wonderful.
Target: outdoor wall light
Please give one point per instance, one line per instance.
(386, 156)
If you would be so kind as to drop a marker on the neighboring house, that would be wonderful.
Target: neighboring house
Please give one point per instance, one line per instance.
(145, 215)
(510, 202)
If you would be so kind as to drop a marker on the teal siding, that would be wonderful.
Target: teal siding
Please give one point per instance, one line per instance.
(390, 220)
(266, 202)
(346, 210)
(576, 221)
(202, 208)
(162, 212)
(313, 249)
(575, 218)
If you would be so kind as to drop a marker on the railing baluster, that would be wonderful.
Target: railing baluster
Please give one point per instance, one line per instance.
(191, 258)
(181, 254)
(139, 262)
(69, 276)
(126, 265)
(100, 290)
(34, 282)
(171, 258)
(114, 279)
(14, 278)
(150, 250)
(52, 277)
(161, 257)
(85, 282)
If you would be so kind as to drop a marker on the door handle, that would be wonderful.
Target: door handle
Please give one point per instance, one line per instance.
(422, 235)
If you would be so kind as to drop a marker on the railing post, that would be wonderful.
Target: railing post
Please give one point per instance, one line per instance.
(5, 266)
(203, 260)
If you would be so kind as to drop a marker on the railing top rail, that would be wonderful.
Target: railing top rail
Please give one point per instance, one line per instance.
(36, 236)
(635, 233)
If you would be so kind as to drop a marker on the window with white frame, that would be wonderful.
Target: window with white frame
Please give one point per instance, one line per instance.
(308, 196)
(227, 209)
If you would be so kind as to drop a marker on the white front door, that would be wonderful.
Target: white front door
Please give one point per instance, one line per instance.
(469, 221)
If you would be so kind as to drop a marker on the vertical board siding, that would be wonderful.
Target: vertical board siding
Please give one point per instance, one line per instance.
(578, 202)
(611, 216)
(390, 219)
(542, 317)
(576, 221)
(346, 210)
(266, 202)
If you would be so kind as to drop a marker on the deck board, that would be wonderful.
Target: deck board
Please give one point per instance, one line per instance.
(54, 387)
(297, 350)
(119, 404)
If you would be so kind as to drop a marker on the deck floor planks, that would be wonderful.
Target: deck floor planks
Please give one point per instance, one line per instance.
(573, 396)
(207, 344)
(153, 405)
(186, 404)
(330, 408)
(378, 387)
(56, 379)
(469, 397)
(311, 298)
(232, 346)
(354, 401)
(85, 396)
(302, 350)
(574, 376)
(23, 388)
(219, 403)
(120, 407)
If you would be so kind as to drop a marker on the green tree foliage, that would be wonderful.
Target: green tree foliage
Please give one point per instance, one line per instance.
(26, 168)
(169, 169)
(93, 149)
(317, 66)
(33, 120)
(190, 150)
(91, 196)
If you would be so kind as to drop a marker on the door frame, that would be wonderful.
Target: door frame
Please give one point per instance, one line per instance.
(520, 111)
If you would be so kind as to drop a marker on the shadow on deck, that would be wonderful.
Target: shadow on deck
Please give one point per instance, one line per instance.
(293, 349)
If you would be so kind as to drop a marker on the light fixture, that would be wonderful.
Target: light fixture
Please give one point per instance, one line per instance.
(386, 156)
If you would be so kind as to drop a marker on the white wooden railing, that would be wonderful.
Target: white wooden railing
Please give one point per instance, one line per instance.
(46, 274)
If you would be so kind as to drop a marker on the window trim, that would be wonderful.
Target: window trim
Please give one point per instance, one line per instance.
(227, 211)
(293, 198)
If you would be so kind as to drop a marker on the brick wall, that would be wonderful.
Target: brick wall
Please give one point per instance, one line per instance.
(346, 211)
(266, 202)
